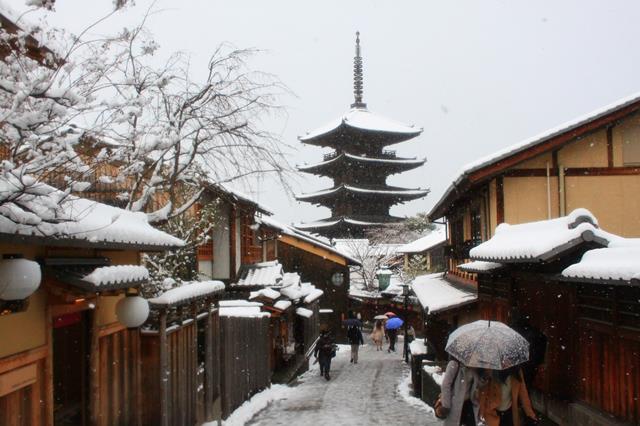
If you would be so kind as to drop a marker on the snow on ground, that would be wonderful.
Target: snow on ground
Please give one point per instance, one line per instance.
(373, 392)
(257, 403)
(405, 391)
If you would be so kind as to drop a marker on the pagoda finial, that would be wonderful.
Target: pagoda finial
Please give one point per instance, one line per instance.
(357, 76)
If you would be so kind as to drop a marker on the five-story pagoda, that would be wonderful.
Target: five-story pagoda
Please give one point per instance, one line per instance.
(359, 166)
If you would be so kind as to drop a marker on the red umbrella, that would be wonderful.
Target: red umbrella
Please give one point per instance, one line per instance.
(390, 314)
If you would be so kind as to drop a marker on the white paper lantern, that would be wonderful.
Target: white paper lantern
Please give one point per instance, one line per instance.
(19, 278)
(132, 311)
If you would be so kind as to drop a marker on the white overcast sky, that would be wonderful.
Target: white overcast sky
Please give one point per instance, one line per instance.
(476, 75)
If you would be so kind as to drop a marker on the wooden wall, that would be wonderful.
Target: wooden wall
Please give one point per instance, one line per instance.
(593, 337)
(192, 384)
(119, 378)
(244, 362)
(24, 406)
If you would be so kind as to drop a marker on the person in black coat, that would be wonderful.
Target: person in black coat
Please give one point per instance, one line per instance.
(324, 351)
(354, 335)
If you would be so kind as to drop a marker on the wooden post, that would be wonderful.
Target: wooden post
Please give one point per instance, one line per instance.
(209, 389)
(164, 370)
(94, 366)
(194, 361)
(48, 368)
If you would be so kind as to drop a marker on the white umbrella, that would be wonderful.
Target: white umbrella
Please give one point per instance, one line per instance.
(380, 317)
(488, 344)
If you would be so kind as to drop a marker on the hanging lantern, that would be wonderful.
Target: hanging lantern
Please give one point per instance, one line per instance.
(384, 278)
(19, 278)
(132, 311)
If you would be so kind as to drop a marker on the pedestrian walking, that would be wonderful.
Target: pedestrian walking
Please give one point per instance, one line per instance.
(411, 334)
(325, 350)
(392, 335)
(378, 334)
(459, 404)
(500, 400)
(354, 335)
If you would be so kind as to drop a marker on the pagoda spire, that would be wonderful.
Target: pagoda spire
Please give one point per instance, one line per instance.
(357, 76)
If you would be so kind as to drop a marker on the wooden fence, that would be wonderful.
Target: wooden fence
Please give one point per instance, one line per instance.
(245, 365)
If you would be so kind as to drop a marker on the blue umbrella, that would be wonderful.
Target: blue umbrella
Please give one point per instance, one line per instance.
(393, 323)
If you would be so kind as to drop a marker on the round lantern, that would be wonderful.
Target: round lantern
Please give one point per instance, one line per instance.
(132, 311)
(19, 278)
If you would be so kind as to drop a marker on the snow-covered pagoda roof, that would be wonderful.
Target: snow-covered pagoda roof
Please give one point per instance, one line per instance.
(543, 142)
(437, 294)
(363, 122)
(543, 240)
(346, 160)
(432, 239)
(385, 191)
(38, 213)
(342, 225)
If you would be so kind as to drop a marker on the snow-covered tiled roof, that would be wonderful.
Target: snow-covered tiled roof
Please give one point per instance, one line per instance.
(43, 212)
(480, 266)
(239, 195)
(282, 305)
(437, 294)
(542, 240)
(363, 119)
(304, 312)
(264, 274)
(268, 293)
(433, 239)
(187, 292)
(243, 312)
(533, 141)
(618, 262)
(304, 236)
(109, 275)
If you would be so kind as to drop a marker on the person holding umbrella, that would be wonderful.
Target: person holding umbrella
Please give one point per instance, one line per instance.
(378, 333)
(392, 326)
(491, 345)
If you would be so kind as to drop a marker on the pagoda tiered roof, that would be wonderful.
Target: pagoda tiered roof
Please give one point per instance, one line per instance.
(359, 125)
(379, 192)
(346, 225)
(359, 167)
(341, 161)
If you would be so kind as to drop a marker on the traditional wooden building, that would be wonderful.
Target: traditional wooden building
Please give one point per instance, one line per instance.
(578, 286)
(592, 162)
(66, 357)
(234, 238)
(180, 352)
(316, 261)
(426, 254)
(359, 166)
(294, 309)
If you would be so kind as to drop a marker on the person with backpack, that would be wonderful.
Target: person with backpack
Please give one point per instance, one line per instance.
(458, 403)
(354, 335)
(324, 351)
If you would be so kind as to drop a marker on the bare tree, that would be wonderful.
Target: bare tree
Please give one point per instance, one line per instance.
(102, 114)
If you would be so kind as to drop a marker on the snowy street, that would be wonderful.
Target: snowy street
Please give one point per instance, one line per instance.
(372, 392)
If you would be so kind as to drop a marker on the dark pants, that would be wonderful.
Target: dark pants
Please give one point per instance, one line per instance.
(467, 418)
(506, 417)
(325, 364)
(393, 336)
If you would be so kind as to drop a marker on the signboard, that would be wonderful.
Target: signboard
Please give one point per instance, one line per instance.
(17, 379)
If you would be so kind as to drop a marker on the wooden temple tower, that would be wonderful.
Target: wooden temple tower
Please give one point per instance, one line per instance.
(359, 166)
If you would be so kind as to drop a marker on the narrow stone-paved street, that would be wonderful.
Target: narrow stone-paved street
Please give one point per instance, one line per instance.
(357, 394)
